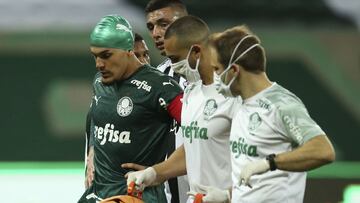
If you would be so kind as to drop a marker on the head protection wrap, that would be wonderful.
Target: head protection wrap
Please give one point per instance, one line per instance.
(113, 31)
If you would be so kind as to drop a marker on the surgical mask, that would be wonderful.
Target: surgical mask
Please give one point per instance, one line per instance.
(183, 68)
(221, 87)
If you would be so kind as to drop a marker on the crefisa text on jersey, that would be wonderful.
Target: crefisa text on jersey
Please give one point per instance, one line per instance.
(108, 134)
(141, 84)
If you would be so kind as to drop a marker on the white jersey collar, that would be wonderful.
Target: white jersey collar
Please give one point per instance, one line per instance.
(208, 90)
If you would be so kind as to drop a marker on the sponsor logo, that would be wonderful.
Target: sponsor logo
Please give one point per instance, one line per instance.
(124, 106)
(240, 147)
(123, 27)
(194, 132)
(168, 83)
(254, 121)
(141, 85)
(93, 196)
(96, 99)
(97, 80)
(265, 104)
(210, 108)
(293, 128)
(108, 134)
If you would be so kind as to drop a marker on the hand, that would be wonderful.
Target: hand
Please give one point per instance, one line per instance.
(142, 178)
(136, 167)
(212, 194)
(256, 167)
(90, 169)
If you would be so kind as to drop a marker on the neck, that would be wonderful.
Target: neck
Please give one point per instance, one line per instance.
(132, 67)
(207, 79)
(251, 84)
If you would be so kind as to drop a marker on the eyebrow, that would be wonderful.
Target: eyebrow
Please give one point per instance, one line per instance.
(162, 20)
(100, 53)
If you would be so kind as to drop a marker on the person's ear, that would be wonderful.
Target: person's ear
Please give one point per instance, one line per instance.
(130, 53)
(196, 51)
(235, 68)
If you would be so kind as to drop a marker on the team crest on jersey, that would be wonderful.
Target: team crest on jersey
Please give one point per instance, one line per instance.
(254, 121)
(124, 106)
(210, 108)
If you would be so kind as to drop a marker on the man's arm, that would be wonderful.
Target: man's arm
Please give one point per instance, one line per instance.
(89, 156)
(314, 153)
(174, 166)
(90, 169)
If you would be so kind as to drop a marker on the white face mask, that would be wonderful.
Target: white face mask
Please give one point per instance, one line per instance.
(221, 87)
(183, 68)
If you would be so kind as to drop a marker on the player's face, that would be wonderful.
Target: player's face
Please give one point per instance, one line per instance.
(173, 51)
(157, 23)
(219, 68)
(112, 63)
(142, 52)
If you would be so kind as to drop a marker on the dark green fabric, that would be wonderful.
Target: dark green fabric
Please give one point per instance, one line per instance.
(136, 131)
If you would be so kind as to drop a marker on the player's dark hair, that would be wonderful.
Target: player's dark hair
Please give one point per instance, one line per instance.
(189, 30)
(138, 37)
(154, 5)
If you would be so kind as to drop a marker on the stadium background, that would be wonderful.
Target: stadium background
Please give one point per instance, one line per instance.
(313, 49)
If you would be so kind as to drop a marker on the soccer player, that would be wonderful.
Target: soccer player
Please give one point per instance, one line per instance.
(141, 50)
(159, 15)
(206, 115)
(273, 140)
(131, 113)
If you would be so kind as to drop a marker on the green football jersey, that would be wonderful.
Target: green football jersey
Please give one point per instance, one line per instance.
(130, 123)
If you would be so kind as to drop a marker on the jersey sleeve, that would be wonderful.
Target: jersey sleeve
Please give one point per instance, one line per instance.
(89, 122)
(167, 91)
(296, 123)
(175, 107)
(88, 127)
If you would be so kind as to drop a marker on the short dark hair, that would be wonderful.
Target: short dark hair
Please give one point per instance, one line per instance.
(138, 37)
(225, 43)
(189, 29)
(154, 5)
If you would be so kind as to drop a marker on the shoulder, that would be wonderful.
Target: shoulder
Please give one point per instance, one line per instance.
(152, 73)
(157, 79)
(96, 83)
(162, 66)
(97, 78)
(281, 99)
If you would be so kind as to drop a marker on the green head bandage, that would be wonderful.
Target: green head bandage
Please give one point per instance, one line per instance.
(113, 31)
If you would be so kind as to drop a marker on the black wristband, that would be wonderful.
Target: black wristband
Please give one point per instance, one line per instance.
(271, 159)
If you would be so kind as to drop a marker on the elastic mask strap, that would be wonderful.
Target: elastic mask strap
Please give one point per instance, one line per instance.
(245, 52)
(241, 55)
(237, 46)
